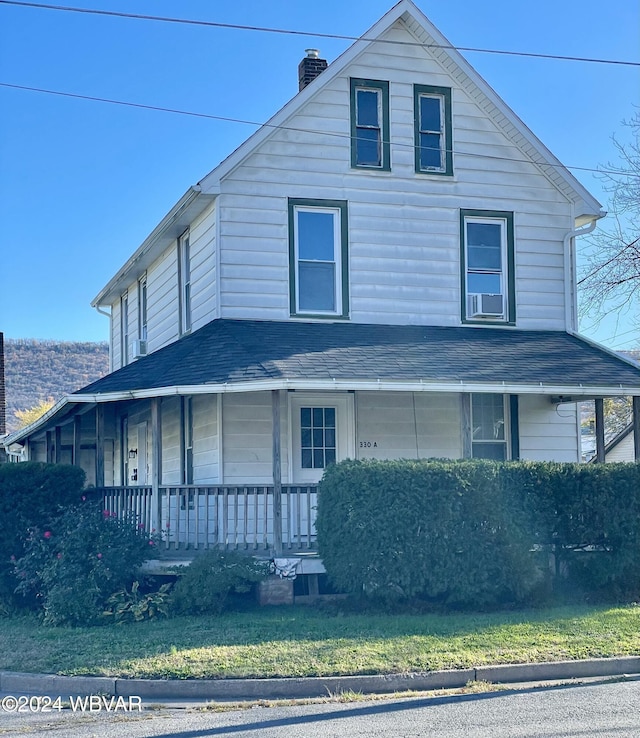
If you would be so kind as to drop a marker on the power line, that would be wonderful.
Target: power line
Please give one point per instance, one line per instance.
(313, 34)
(228, 119)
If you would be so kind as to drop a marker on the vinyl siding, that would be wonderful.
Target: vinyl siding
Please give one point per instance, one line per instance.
(404, 238)
(395, 425)
(548, 432)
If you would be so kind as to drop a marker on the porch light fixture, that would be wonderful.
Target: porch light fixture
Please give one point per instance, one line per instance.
(133, 452)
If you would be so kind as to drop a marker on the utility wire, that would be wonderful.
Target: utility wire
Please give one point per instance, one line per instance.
(313, 34)
(228, 119)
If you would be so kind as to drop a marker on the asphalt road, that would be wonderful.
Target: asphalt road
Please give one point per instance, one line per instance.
(599, 710)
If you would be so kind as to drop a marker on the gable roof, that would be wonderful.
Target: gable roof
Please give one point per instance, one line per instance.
(198, 197)
(454, 64)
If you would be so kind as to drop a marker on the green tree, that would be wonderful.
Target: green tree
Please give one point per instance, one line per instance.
(26, 417)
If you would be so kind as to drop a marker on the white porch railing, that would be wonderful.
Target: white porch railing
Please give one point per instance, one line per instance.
(225, 517)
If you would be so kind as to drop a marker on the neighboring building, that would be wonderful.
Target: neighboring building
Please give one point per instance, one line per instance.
(385, 269)
(621, 447)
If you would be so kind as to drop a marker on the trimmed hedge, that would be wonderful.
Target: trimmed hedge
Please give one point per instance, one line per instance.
(468, 533)
(31, 494)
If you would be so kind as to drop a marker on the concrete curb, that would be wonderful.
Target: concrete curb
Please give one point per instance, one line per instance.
(254, 689)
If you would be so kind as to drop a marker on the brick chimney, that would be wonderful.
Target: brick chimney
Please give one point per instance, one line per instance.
(310, 67)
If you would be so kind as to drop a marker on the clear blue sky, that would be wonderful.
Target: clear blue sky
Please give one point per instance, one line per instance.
(83, 183)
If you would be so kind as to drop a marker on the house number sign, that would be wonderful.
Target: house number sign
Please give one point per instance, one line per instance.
(368, 444)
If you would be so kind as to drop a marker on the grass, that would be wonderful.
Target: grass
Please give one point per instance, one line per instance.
(295, 642)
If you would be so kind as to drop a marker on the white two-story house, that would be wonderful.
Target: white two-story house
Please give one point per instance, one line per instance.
(385, 269)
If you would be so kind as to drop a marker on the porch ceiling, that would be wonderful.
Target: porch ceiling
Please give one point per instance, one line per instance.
(246, 352)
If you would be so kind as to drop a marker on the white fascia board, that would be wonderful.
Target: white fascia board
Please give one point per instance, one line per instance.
(368, 385)
(330, 385)
(178, 219)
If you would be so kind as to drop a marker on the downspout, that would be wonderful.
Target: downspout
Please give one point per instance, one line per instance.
(108, 314)
(571, 279)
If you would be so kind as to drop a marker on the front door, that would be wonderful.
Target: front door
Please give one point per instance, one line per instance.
(321, 434)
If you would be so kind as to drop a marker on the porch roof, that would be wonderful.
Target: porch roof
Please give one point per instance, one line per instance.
(240, 352)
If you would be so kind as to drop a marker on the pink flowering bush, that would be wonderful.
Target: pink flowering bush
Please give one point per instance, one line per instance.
(70, 568)
(30, 495)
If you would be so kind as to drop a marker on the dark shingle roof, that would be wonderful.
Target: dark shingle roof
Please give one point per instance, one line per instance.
(236, 351)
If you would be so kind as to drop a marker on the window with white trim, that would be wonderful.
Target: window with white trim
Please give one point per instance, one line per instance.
(487, 259)
(124, 329)
(142, 308)
(433, 129)
(184, 255)
(370, 148)
(318, 257)
(488, 431)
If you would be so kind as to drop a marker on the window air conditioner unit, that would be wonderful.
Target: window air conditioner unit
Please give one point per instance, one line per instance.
(138, 348)
(483, 305)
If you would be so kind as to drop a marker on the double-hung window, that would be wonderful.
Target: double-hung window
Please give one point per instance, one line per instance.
(488, 432)
(318, 258)
(124, 329)
(487, 274)
(184, 271)
(370, 147)
(433, 130)
(142, 308)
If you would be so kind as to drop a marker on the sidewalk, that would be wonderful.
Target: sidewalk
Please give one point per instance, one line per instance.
(267, 689)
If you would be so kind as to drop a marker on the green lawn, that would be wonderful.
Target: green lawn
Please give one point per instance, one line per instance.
(303, 641)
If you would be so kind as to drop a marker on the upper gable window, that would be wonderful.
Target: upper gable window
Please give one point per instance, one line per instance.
(433, 133)
(318, 258)
(370, 124)
(487, 258)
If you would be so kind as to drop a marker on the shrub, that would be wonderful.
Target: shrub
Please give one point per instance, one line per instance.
(132, 606)
(467, 532)
(71, 567)
(206, 584)
(31, 494)
(444, 531)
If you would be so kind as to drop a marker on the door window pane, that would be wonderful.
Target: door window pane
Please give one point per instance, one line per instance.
(317, 437)
(488, 427)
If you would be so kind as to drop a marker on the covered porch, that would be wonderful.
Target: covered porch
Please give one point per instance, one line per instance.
(220, 439)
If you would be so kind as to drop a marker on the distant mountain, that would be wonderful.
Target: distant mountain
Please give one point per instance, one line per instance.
(36, 370)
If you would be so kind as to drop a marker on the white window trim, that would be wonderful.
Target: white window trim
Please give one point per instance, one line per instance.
(337, 258)
(124, 328)
(442, 132)
(184, 257)
(378, 127)
(143, 317)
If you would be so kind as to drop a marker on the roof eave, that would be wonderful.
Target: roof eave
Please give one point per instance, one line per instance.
(176, 221)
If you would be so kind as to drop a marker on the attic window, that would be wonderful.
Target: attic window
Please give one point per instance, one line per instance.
(433, 130)
(370, 124)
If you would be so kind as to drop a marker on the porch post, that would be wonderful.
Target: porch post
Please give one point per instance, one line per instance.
(58, 444)
(277, 474)
(99, 445)
(77, 426)
(636, 428)
(49, 447)
(465, 416)
(514, 426)
(599, 405)
(156, 463)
